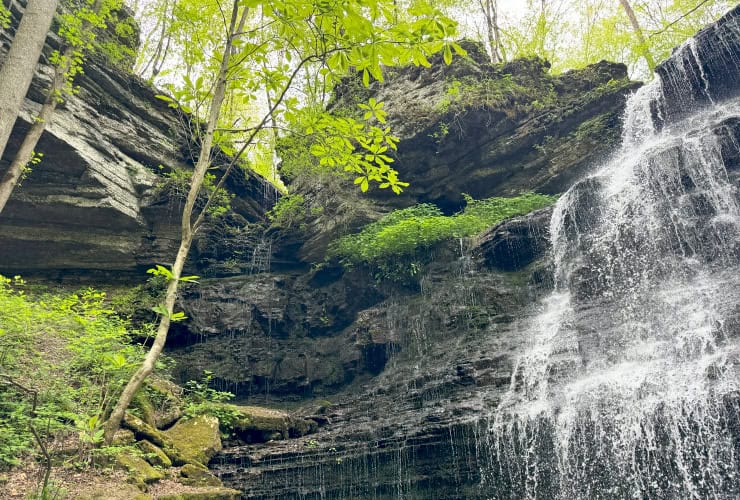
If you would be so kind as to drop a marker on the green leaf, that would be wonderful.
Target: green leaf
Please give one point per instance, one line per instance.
(459, 50)
(447, 55)
(160, 309)
(178, 316)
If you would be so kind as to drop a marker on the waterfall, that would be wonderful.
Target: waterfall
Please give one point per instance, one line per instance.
(631, 385)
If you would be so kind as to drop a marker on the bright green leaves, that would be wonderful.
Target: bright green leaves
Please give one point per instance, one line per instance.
(78, 30)
(71, 348)
(161, 309)
(358, 147)
(373, 109)
(405, 232)
(4, 16)
(161, 271)
(165, 273)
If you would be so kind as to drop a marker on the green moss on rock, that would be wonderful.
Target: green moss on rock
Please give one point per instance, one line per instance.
(145, 407)
(138, 469)
(123, 437)
(191, 475)
(154, 454)
(206, 494)
(197, 439)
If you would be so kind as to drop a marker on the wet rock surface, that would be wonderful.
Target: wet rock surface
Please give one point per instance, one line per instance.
(94, 207)
(522, 128)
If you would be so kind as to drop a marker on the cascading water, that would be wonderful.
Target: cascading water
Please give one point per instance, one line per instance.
(631, 386)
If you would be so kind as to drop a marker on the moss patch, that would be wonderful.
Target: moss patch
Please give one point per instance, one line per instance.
(138, 469)
(154, 455)
(191, 475)
(197, 439)
(206, 494)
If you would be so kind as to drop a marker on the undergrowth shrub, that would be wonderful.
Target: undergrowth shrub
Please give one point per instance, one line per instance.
(394, 245)
(74, 352)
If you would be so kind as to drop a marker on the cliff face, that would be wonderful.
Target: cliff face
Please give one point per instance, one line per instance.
(409, 370)
(95, 204)
(477, 129)
(421, 425)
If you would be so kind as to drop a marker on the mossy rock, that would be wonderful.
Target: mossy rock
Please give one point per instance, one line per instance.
(167, 401)
(154, 454)
(191, 475)
(261, 424)
(144, 431)
(121, 492)
(206, 494)
(123, 437)
(197, 439)
(139, 470)
(144, 405)
(258, 424)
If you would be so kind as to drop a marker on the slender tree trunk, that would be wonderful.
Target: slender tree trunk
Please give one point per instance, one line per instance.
(204, 159)
(490, 13)
(639, 34)
(18, 69)
(41, 121)
(25, 152)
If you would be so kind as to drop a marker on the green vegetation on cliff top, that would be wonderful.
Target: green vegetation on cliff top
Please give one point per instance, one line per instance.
(405, 232)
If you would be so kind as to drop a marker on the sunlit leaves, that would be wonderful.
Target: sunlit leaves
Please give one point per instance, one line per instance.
(358, 147)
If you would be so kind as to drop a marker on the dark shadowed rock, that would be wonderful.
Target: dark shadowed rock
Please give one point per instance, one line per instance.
(95, 202)
(516, 243)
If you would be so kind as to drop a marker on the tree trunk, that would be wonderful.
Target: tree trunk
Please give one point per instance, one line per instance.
(204, 160)
(41, 121)
(490, 13)
(644, 50)
(19, 66)
(25, 152)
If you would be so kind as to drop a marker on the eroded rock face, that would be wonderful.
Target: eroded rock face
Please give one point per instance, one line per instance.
(489, 131)
(95, 203)
(277, 335)
(434, 362)
(424, 426)
(476, 129)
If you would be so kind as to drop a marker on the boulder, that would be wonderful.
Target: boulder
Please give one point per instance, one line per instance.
(154, 455)
(139, 470)
(97, 203)
(191, 475)
(205, 494)
(196, 439)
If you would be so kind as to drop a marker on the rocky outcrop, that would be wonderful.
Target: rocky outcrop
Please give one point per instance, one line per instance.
(523, 129)
(97, 202)
(425, 426)
(701, 71)
(274, 334)
(471, 128)
(384, 436)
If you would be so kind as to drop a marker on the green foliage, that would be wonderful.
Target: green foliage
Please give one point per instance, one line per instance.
(296, 45)
(402, 234)
(176, 183)
(70, 348)
(201, 399)
(288, 211)
(79, 27)
(343, 144)
(4, 16)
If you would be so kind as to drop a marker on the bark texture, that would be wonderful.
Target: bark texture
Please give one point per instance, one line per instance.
(18, 69)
